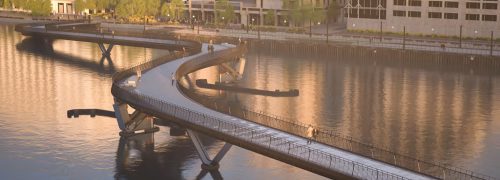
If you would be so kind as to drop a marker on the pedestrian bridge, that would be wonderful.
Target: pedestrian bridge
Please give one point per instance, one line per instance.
(152, 90)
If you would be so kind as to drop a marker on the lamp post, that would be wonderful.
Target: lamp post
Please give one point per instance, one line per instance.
(404, 37)
(491, 44)
(310, 28)
(460, 38)
(327, 33)
(223, 20)
(253, 22)
(248, 23)
(193, 21)
(381, 33)
(258, 29)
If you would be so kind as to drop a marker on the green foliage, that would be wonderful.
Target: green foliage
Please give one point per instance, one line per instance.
(137, 8)
(333, 11)
(174, 9)
(80, 5)
(40, 7)
(269, 17)
(7, 4)
(301, 14)
(90, 4)
(224, 11)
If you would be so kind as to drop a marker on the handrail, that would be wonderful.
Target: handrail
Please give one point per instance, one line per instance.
(256, 137)
(335, 139)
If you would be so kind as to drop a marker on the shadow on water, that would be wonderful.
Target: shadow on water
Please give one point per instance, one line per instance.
(40, 48)
(138, 158)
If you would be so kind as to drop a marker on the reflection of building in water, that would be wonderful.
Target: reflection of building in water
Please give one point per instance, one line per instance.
(435, 116)
(431, 115)
(54, 84)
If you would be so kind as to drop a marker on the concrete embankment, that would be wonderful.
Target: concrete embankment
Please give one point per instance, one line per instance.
(379, 56)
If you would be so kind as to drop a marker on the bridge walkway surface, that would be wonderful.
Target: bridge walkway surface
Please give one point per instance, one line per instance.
(151, 88)
(156, 85)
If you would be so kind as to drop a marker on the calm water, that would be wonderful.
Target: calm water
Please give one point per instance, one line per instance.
(37, 141)
(437, 113)
(451, 116)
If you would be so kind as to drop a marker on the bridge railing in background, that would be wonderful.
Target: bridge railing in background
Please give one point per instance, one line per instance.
(395, 42)
(334, 139)
(256, 137)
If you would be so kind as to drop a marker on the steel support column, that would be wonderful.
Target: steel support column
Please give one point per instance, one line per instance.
(131, 124)
(207, 163)
(106, 52)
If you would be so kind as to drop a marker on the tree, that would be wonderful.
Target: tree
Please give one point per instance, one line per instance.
(6, 4)
(80, 5)
(91, 4)
(269, 17)
(301, 14)
(137, 8)
(224, 11)
(174, 9)
(39, 7)
(333, 11)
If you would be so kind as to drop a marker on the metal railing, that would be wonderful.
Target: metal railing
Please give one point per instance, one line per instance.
(393, 42)
(334, 139)
(255, 137)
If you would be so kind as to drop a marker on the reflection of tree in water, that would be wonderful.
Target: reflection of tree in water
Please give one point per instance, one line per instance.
(137, 157)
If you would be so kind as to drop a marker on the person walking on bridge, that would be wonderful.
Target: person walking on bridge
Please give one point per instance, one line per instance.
(173, 79)
(310, 134)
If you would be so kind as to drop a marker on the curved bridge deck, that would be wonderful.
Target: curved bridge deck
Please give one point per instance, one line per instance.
(156, 94)
(43, 31)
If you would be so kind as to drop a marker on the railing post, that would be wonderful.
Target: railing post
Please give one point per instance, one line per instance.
(352, 172)
(418, 165)
(270, 139)
(330, 162)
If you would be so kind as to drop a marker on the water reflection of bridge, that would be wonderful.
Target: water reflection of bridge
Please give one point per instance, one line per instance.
(151, 94)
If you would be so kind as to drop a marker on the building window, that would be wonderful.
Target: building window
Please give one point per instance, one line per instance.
(399, 13)
(60, 8)
(489, 17)
(435, 15)
(435, 3)
(371, 14)
(472, 17)
(69, 8)
(414, 14)
(400, 2)
(415, 3)
(489, 5)
(451, 15)
(473, 5)
(450, 4)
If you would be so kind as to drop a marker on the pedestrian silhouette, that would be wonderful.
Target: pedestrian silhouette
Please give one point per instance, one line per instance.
(310, 134)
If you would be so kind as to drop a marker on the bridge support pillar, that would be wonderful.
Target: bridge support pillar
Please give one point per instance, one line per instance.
(135, 123)
(207, 163)
(106, 52)
(234, 69)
